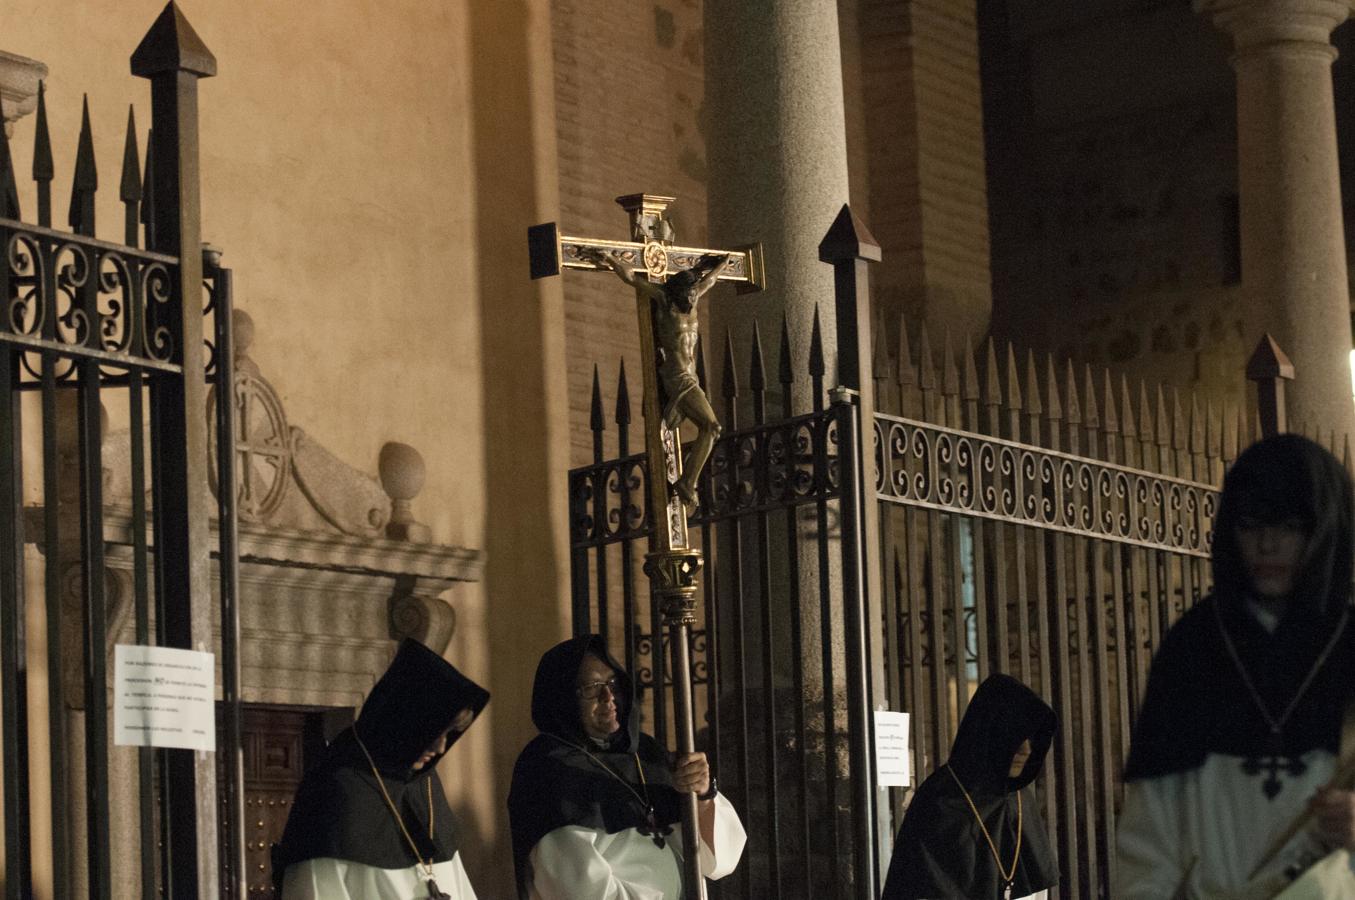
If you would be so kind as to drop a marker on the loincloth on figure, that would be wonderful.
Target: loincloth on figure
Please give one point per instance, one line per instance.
(676, 385)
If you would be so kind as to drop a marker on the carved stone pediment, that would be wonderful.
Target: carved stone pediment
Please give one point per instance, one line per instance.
(334, 568)
(19, 77)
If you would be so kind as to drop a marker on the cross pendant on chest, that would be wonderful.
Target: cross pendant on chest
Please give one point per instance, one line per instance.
(654, 832)
(1273, 762)
(1007, 892)
(435, 893)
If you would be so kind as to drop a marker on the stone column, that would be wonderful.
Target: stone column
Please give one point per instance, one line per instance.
(778, 161)
(777, 151)
(1293, 239)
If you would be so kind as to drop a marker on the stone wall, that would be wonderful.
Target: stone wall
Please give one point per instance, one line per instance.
(1113, 191)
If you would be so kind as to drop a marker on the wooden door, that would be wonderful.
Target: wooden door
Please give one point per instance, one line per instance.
(279, 743)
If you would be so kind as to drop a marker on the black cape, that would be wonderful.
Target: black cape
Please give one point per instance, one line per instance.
(940, 852)
(339, 811)
(555, 784)
(1196, 703)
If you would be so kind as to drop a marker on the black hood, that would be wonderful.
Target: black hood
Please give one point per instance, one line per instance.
(1196, 703)
(340, 810)
(1281, 477)
(1002, 714)
(417, 699)
(561, 778)
(555, 706)
(940, 851)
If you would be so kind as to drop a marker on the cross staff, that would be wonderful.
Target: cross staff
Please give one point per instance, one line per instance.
(667, 315)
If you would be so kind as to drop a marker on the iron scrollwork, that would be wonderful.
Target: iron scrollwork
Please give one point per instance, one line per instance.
(647, 647)
(764, 468)
(925, 465)
(81, 298)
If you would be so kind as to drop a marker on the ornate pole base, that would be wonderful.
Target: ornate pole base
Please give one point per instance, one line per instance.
(672, 583)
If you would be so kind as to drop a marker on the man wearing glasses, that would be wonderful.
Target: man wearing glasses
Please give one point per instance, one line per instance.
(594, 805)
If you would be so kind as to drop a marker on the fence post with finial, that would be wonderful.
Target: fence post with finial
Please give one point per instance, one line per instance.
(1270, 368)
(849, 247)
(174, 58)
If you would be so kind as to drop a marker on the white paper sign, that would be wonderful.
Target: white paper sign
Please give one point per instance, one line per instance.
(163, 697)
(891, 749)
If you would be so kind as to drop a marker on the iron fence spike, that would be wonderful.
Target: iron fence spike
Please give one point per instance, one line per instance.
(757, 375)
(622, 396)
(1014, 399)
(905, 373)
(595, 422)
(1110, 417)
(1034, 402)
(970, 383)
(926, 362)
(730, 382)
(43, 168)
(816, 363)
(129, 190)
(992, 384)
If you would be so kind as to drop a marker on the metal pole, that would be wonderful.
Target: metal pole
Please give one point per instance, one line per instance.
(859, 731)
(231, 748)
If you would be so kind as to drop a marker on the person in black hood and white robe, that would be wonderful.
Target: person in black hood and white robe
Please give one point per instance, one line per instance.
(370, 820)
(1241, 721)
(594, 804)
(973, 829)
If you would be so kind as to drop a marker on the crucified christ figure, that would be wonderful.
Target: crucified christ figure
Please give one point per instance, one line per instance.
(675, 333)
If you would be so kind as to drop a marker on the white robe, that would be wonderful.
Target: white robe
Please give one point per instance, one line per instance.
(1217, 818)
(339, 879)
(573, 862)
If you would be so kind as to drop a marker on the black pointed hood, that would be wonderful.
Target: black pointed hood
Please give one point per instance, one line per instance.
(417, 699)
(1001, 715)
(340, 810)
(940, 851)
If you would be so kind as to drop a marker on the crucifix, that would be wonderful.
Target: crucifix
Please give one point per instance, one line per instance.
(1273, 763)
(668, 282)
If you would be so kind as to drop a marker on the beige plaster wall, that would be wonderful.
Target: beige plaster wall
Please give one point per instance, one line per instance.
(369, 168)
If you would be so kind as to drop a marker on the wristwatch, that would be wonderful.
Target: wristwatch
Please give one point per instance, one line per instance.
(710, 792)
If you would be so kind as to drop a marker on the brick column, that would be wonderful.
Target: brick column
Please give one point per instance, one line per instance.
(1293, 238)
(923, 111)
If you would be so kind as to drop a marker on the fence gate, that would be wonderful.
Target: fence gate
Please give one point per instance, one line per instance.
(769, 647)
(97, 335)
(1051, 524)
(1050, 528)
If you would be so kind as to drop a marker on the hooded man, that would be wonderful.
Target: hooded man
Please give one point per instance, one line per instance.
(371, 821)
(973, 829)
(594, 805)
(1242, 718)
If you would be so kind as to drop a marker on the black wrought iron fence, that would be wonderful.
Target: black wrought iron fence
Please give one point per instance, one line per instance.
(99, 331)
(769, 649)
(1041, 521)
(1046, 529)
